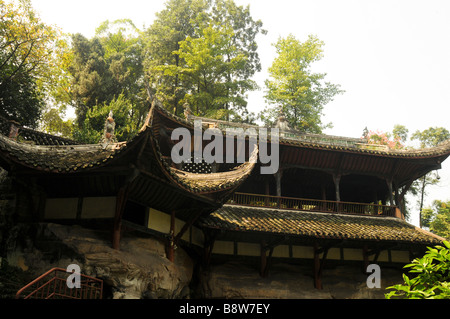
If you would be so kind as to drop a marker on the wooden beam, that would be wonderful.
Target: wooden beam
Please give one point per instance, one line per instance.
(188, 224)
(174, 237)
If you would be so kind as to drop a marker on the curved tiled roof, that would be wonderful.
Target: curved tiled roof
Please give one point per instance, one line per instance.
(340, 143)
(218, 181)
(317, 225)
(58, 158)
(441, 149)
(195, 183)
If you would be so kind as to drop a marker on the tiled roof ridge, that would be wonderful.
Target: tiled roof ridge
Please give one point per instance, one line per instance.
(428, 233)
(38, 137)
(346, 144)
(315, 212)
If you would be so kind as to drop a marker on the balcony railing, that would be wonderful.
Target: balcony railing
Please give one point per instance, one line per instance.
(316, 205)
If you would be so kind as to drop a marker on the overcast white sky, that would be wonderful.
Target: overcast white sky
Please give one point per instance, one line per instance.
(391, 57)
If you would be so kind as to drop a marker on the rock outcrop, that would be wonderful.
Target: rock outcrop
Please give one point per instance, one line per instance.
(138, 270)
(288, 281)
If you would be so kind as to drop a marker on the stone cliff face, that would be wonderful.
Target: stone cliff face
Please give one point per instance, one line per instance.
(288, 281)
(140, 268)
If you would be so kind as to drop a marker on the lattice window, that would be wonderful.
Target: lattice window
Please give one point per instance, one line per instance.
(198, 168)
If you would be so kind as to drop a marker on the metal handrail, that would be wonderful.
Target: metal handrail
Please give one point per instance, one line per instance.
(305, 204)
(56, 287)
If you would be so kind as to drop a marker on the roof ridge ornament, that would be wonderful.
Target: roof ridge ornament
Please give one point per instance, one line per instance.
(282, 123)
(108, 132)
(187, 111)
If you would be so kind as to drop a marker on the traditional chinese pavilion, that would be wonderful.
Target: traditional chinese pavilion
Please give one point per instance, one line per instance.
(332, 198)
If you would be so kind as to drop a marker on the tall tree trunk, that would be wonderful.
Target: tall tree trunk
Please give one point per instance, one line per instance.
(422, 195)
(175, 91)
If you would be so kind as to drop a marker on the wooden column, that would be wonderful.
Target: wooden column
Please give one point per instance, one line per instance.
(324, 196)
(265, 260)
(171, 239)
(367, 253)
(390, 189)
(318, 264)
(267, 186)
(121, 200)
(337, 180)
(324, 192)
(401, 197)
(278, 176)
(317, 275)
(365, 257)
(210, 238)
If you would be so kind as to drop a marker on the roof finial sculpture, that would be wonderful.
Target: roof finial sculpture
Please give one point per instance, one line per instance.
(187, 111)
(108, 132)
(365, 133)
(282, 124)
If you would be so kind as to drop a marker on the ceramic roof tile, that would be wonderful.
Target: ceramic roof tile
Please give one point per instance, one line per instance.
(60, 158)
(317, 225)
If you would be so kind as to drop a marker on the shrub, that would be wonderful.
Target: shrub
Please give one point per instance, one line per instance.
(432, 280)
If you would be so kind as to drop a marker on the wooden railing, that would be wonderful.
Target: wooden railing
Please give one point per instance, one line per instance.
(258, 200)
(53, 285)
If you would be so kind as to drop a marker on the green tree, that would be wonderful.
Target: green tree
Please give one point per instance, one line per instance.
(107, 71)
(437, 218)
(94, 122)
(213, 72)
(294, 89)
(431, 136)
(171, 26)
(400, 133)
(431, 276)
(241, 55)
(52, 122)
(91, 77)
(428, 138)
(204, 53)
(124, 53)
(28, 50)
